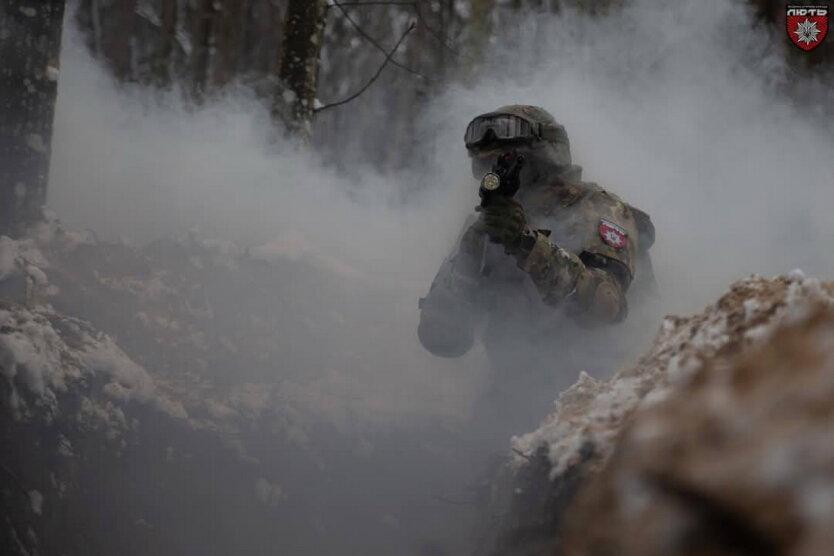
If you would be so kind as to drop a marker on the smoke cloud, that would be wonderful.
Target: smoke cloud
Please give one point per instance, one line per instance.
(689, 112)
(692, 114)
(684, 112)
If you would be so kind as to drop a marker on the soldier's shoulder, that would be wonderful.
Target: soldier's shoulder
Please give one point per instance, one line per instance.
(598, 194)
(564, 192)
(590, 196)
(603, 198)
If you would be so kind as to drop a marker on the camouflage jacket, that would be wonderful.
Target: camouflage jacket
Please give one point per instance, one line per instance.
(585, 249)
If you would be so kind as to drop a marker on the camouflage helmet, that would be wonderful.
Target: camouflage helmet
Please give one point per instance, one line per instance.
(544, 132)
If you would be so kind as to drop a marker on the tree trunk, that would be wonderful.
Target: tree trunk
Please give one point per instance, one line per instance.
(30, 44)
(228, 41)
(303, 38)
(204, 22)
(162, 62)
(476, 36)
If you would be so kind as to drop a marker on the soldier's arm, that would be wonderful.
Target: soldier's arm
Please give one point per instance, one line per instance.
(447, 313)
(591, 287)
(592, 284)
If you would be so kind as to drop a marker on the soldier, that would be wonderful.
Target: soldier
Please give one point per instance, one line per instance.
(561, 250)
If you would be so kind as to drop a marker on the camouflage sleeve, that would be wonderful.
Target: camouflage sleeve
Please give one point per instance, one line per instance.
(591, 295)
(447, 313)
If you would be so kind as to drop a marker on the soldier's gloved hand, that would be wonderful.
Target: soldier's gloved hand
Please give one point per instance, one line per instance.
(503, 220)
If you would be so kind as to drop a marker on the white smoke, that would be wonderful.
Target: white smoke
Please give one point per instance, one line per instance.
(130, 162)
(681, 109)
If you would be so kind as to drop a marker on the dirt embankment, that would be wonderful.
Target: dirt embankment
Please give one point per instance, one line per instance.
(718, 441)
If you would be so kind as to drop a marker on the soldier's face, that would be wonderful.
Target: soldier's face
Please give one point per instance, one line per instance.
(483, 160)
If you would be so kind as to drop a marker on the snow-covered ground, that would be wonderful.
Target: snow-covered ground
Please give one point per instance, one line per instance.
(719, 425)
(224, 376)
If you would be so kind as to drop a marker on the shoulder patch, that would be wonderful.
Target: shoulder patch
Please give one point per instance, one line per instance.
(612, 234)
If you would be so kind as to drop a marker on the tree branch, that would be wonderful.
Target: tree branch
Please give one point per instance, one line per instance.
(371, 40)
(438, 37)
(374, 78)
(414, 5)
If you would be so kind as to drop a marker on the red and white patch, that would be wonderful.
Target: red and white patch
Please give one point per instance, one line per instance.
(807, 26)
(612, 234)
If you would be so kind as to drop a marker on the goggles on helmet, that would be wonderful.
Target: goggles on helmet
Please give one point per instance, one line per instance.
(498, 127)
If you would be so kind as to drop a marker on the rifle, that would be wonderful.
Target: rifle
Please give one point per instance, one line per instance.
(503, 180)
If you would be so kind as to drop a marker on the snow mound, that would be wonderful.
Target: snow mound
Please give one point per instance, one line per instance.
(737, 460)
(716, 441)
(44, 354)
(589, 416)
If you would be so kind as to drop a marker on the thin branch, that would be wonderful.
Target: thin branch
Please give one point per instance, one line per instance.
(433, 32)
(374, 78)
(417, 11)
(371, 40)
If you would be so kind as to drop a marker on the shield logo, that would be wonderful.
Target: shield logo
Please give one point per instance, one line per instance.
(612, 234)
(807, 26)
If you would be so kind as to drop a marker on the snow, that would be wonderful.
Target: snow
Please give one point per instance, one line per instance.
(751, 307)
(35, 142)
(21, 254)
(592, 413)
(37, 275)
(146, 10)
(748, 427)
(43, 354)
(796, 275)
(29, 354)
(52, 73)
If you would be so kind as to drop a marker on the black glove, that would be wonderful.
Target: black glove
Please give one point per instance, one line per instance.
(503, 220)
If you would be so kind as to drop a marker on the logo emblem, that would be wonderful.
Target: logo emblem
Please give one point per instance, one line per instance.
(612, 234)
(807, 26)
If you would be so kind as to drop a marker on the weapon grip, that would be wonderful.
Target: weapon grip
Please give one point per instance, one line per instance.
(504, 178)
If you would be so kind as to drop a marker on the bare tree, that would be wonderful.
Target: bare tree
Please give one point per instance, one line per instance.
(290, 52)
(30, 42)
(303, 39)
(204, 23)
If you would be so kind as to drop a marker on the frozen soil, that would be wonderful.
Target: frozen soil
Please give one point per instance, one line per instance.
(202, 398)
(719, 427)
